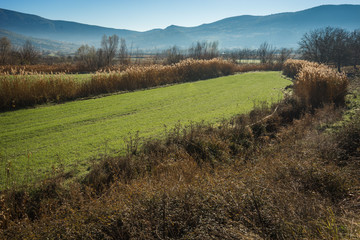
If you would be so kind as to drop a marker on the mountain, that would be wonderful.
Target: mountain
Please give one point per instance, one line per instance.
(280, 30)
(18, 40)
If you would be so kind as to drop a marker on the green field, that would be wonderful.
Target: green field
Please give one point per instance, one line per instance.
(34, 141)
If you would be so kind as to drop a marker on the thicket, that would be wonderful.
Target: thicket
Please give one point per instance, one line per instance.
(331, 45)
(316, 84)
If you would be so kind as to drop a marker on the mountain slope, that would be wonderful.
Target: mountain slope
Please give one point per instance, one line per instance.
(35, 26)
(281, 30)
(18, 40)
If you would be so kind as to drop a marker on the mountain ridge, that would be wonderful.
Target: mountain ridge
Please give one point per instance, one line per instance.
(280, 29)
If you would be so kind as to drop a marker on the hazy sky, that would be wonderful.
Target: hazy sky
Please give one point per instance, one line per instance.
(142, 15)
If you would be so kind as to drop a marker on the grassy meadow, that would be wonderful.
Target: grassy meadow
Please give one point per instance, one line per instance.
(38, 141)
(284, 171)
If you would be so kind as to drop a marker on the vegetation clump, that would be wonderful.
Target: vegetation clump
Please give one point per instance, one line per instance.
(292, 67)
(321, 85)
(316, 84)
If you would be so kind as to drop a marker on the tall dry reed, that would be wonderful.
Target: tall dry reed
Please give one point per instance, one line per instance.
(44, 68)
(316, 84)
(319, 85)
(292, 67)
(20, 88)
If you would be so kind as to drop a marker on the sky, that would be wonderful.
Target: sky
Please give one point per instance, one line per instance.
(143, 15)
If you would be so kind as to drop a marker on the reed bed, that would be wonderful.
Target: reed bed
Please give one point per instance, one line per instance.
(292, 67)
(20, 88)
(316, 84)
(43, 68)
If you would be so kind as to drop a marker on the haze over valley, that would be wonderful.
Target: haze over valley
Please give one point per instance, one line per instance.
(245, 31)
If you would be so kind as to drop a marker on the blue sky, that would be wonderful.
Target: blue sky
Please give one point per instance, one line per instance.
(142, 15)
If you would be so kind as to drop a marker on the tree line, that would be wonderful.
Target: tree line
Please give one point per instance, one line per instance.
(91, 58)
(334, 46)
(331, 45)
(26, 54)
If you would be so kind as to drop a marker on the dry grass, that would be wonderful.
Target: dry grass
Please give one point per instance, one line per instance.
(292, 67)
(138, 77)
(28, 89)
(20, 88)
(247, 178)
(316, 84)
(321, 85)
(42, 68)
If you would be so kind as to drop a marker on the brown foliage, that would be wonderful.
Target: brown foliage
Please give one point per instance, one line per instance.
(292, 67)
(20, 88)
(41, 68)
(320, 85)
(268, 174)
(316, 84)
(253, 177)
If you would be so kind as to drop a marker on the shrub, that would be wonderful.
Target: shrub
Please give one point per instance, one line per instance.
(319, 85)
(292, 67)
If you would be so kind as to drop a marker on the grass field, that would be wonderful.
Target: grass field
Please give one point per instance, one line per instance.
(34, 142)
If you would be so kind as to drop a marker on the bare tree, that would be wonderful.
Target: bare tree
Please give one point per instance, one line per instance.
(213, 50)
(284, 54)
(87, 57)
(109, 46)
(355, 47)
(204, 50)
(266, 52)
(5, 50)
(138, 54)
(196, 50)
(340, 52)
(327, 45)
(123, 52)
(173, 55)
(28, 53)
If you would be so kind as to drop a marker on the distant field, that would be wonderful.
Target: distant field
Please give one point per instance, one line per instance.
(34, 141)
(249, 61)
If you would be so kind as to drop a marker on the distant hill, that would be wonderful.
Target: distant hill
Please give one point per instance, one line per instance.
(280, 30)
(18, 40)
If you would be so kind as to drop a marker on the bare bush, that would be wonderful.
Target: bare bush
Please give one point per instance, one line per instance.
(28, 53)
(204, 50)
(87, 57)
(173, 55)
(266, 53)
